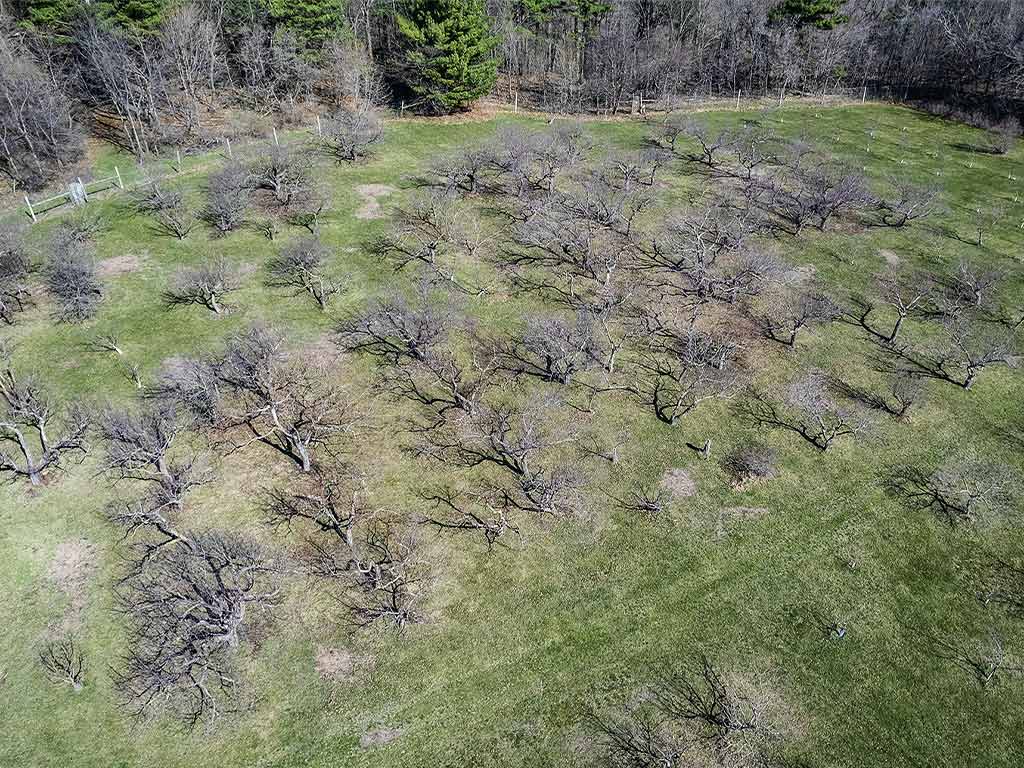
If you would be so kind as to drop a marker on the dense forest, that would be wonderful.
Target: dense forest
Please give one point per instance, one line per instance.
(157, 73)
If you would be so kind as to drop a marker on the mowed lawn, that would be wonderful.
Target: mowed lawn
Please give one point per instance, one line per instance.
(520, 642)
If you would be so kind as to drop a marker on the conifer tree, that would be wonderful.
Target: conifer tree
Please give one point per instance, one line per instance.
(313, 22)
(446, 53)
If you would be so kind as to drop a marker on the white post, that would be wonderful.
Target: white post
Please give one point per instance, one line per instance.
(782, 92)
(738, 92)
(31, 212)
(276, 142)
(319, 127)
(515, 103)
(120, 182)
(642, 107)
(227, 143)
(864, 95)
(402, 113)
(85, 194)
(177, 155)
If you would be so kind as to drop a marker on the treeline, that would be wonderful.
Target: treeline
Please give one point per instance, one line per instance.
(152, 73)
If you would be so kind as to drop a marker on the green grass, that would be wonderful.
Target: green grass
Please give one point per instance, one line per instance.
(520, 641)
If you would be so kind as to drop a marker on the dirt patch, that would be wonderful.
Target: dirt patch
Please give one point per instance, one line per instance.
(744, 513)
(801, 275)
(679, 483)
(72, 565)
(339, 665)
(729, 517)
(119, 265)
(323, 349)
(890, 258)
(379, 737)
(371, 208)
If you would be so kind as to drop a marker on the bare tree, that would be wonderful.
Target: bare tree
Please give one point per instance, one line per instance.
(64, 662)
(376, 563)
(36, 435)
(650, 503)
(471, 513)
(810, 195)
(904, 389)
(901, 294)
(352, 77)
(228, 191)
(986, 660)
(330, 499)
(786, 313)
(286, 401)
(677, 370)
(72, 281)
(750, 462)
(284, 172)
(908, 202)
(16, 269)
(566, 254)
(300, 265)
(711, 142)
(38, 138)
(141, 450)
(962, 490)
(440, 381)
(1003, 135)
(177, 221)
(469, 170)
(529, 162)
(435, 232)
(383, 575)
(549, 348)
(522, 443)
(969, 287)
(393, 327)
(153, 197)
(700, 256)
(206, 286)
(696, 716)
(188, 612)
(191, 386)
(107, 342)
(1002, 585)
(348, 135)
(808, 408)
(958, 354)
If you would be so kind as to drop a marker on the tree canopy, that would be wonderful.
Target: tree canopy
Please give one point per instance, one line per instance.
(446, 53)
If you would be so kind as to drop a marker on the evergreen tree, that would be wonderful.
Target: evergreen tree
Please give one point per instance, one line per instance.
(136, 15)
(823, 14)
(313, 22)
(446, 47)
(52, 16)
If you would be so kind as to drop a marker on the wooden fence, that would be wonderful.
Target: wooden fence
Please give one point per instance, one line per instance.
(77, 193)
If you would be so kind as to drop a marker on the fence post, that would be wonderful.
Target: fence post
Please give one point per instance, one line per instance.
(120, 182)
(864, 95)
(515, 104)
(85, 192)
(738, 92)
(227, 143)
(319, 127)
(31, 212)
(782, 93)
(177, 156)
(276, 142)
(402, 113)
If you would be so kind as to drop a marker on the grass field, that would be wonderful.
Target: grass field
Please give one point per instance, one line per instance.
(520, 641)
